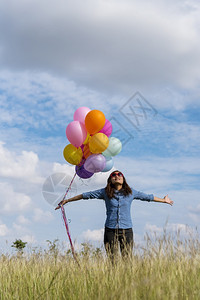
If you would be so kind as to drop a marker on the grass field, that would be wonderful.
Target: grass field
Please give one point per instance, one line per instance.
(165, 268)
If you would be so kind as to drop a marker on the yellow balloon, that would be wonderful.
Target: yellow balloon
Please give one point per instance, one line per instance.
(87, 139)
(98, 142)
(72, 154)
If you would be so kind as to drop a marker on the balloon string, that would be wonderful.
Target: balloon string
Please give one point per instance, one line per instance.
(68, 233)
(66, 223)
(69, 187)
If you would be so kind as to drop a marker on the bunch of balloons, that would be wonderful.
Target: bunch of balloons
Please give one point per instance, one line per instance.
(91, 148)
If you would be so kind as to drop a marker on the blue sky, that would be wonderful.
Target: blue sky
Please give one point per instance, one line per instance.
(104, 55)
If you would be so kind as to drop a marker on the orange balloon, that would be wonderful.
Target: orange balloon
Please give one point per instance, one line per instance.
(86, 151)
(94, 121)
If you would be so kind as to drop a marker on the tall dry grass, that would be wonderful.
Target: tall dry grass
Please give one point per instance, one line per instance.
(164, 268)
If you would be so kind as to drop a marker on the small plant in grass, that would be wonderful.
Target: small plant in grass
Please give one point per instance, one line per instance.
(53, 247)
(87, 249)
(19, 245)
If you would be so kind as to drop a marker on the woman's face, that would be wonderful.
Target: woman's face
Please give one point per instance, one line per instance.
(117, 177)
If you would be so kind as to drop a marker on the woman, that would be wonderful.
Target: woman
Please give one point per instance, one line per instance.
(118, 197)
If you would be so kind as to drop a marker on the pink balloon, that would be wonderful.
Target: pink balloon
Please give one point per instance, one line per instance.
(81, 113)
(107, 129)
(76, 133)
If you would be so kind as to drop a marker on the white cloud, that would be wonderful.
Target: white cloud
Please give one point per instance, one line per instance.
(13, 202)
(180, 227)
(111, 44)
(22, 166)
(42, 216)
(17, 231)
(18, 228)
(173, 99)
(66, 168)
(170, 228)
(3, 230)
(153, 228)
(23, 220)
(23, 232)
(93, 235)
(30, 239)
(36, 94)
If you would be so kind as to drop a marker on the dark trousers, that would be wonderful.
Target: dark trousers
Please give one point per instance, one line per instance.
(113, 238)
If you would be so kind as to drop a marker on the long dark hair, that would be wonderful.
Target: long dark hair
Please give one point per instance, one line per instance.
(110, 188)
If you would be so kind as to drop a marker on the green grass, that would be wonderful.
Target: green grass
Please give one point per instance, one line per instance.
(165, 268)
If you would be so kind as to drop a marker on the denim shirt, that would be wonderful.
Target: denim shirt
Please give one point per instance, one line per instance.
(118, 208)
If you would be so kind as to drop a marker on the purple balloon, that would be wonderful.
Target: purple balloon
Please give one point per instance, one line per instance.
(107, 129)
(95, 163)
(82, 173)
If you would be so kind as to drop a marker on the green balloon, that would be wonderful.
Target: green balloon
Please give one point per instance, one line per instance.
(114, 147)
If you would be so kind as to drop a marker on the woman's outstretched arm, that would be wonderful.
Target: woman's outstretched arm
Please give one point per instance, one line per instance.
(75, 198)
(166, 199)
